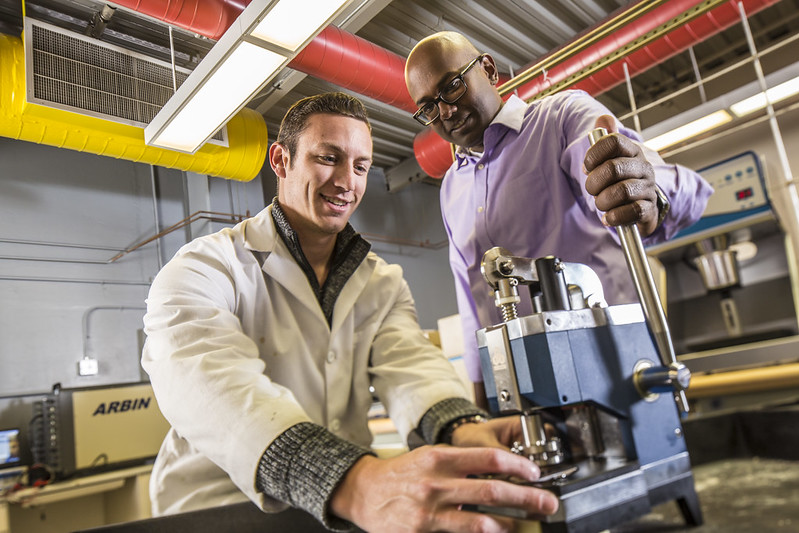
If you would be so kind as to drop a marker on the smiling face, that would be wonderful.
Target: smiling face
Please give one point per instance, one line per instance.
(323, 182)
(432, 65)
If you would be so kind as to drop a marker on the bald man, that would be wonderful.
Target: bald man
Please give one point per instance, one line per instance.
(526, 178)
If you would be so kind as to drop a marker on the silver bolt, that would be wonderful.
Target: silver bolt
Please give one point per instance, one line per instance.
(504, 395)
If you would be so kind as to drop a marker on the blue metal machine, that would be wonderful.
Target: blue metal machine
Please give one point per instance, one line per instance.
(595, 397)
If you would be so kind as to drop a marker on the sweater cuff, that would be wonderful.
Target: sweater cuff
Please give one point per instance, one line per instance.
(303, 466)
(444, 413)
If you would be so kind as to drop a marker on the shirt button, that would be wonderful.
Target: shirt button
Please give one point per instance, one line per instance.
(480, 209)
(335, 425)
(480, 166)
(331, 356)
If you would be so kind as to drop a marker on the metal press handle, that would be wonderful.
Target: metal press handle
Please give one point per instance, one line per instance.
(644, 283)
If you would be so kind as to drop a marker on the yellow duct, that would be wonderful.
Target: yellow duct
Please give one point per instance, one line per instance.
(21, 120)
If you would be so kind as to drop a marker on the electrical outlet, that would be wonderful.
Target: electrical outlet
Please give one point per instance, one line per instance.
(88, 367)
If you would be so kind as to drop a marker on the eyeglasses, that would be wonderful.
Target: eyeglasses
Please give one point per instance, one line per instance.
(450, 94)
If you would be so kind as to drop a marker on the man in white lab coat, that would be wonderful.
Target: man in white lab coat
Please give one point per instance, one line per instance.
(264, 339)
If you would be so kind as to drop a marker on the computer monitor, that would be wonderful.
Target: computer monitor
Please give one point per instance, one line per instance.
(9, 448)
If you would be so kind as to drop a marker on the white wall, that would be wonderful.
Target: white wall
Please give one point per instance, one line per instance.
(65, 214)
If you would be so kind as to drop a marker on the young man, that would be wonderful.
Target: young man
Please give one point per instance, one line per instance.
(525, 179)
(264, 339)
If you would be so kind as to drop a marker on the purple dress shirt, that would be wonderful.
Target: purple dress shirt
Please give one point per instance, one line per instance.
(526, 193)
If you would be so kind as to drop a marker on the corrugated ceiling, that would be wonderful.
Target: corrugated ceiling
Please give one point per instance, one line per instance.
(515, 32)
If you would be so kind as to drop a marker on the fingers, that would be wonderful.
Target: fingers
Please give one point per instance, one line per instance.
(508, 430)
(456, 520)
(499, 493)
(611, 147)
(496, 433)
(621, 180)
(478, 461)
(607, 122)
(425, 489)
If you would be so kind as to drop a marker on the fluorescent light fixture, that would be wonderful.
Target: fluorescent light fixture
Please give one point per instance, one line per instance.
(689, 130)
(260, 42)
(290, 22)
(758, 101)
(219, 99)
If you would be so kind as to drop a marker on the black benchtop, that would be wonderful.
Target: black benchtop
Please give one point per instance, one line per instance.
(746, 471)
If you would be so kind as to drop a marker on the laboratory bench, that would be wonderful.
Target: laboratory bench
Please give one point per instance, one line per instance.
(81, 502)
(745, 464)
(746, 470)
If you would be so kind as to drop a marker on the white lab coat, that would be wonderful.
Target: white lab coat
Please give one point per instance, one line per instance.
(238, 350)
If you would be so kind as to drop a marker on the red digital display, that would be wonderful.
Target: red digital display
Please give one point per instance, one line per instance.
(743, 194)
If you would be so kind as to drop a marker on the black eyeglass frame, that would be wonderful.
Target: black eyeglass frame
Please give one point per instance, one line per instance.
(439, 98)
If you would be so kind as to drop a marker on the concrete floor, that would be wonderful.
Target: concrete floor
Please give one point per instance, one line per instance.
(737, 496)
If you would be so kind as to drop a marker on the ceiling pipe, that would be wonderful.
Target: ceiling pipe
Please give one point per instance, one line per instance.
(355, 64)
(435, 154)
(676, 41)
(210, 18)
(334, 55)
(22, 120)
(99, 21)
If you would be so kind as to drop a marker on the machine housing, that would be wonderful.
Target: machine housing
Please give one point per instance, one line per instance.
(586, 369)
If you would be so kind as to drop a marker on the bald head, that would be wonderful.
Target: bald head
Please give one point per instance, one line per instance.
(433, 64)
(444, 43)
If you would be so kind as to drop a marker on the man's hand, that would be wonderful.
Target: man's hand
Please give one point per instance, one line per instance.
(495, 433)
(424, 489)
(621, 180)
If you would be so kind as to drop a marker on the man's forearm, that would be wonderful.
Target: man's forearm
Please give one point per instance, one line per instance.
(304, 465)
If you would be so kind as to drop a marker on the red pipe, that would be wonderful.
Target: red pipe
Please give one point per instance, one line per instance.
(670, 45)
(334, 55)
(431, 150)
(356, 64)
(209, 18)
(658, 51)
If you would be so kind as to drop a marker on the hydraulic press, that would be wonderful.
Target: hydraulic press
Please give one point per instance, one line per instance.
(594, 398)
(598, 388)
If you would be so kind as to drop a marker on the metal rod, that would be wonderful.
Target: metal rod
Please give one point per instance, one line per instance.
(74, 280)
(59, 244)
(770, 378)
(697, 74)
(172, 56)
(711, 77)
(155, 214)
(699, 9)
(631, 96)
(593, 36)
(644, 283)
(665, 154)
(775, 128)
(207, 215)
(88, 312)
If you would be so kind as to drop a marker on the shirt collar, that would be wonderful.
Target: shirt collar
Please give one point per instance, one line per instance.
(349, 252)
(510, 115)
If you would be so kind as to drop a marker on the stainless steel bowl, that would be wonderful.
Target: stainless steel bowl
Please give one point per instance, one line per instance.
(719, 269)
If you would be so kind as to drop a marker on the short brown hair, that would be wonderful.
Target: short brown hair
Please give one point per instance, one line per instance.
(334, 103)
